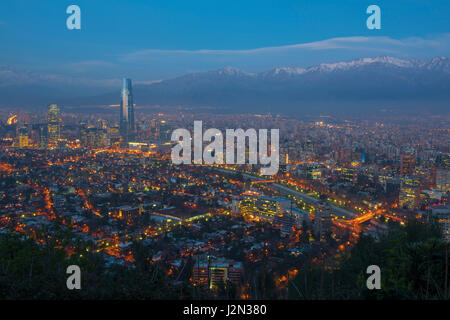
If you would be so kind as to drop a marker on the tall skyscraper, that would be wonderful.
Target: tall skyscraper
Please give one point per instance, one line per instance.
(53, 125)
(126, 111)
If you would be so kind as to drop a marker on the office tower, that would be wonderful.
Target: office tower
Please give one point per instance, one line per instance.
(114, 136)
(126, 121)
(53, 126)
(407, 164)
(83, 134)
(154, 128)
(409, 193)
(350, 174)
(43, 141)
(23, 137)
(100, 137)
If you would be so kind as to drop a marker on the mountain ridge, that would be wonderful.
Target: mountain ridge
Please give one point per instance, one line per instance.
(372, 81)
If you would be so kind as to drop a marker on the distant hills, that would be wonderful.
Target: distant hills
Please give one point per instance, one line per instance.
(357, 85)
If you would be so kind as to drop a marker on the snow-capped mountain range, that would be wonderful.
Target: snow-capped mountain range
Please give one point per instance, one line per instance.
(437, 63)
(380, 82)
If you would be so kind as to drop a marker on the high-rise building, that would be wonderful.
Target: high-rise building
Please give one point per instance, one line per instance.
(114, 136)
(154, 129)
(43, 142)
(126, 121)
(407, 164)
(409, 196)
(23, 137)
(53, 125)
(349, 174)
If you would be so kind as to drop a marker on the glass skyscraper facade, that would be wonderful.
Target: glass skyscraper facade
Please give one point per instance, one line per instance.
(126, 111)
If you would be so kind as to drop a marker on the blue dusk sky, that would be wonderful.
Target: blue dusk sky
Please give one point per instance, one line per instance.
(150, 40)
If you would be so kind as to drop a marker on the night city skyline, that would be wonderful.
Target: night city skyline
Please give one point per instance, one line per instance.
(232, 158)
